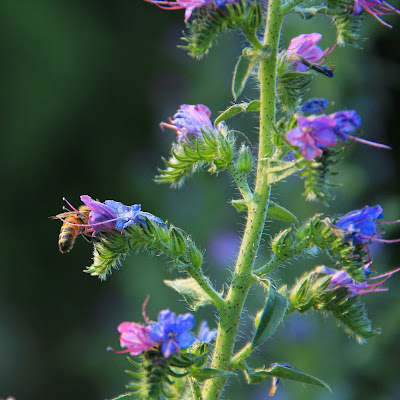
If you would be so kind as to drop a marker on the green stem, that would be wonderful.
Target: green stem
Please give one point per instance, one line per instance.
(253, 39)
(257, 210)
(289, 6)
(277, 261)
(243, 353)
(241, 182)
(206, 285)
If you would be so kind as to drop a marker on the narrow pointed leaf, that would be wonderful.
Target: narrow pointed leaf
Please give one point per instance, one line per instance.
(242, 72)
(209, 373)
(279, 371)
(194, 295)
(240, 205)
(278, 212)
(274, 311)
(253, 106)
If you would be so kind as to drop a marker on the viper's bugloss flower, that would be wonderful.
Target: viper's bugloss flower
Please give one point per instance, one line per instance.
(172, 332)
(134, 338)
(359, 226)
(275, 380)
(190, 120)
(111, 215)
(376, 8)
(346, 122)
(205, 334)
(312, 134)
(306, 47)
(189, 5)
(314, 106)
(341, 279)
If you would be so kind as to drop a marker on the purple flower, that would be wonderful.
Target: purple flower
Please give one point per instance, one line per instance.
(205, 334)
(190, 120)
(346, 122)
(114, 215)
(376, 8)
(314, 106)
(172, 332)
(312, 134)
(189, 5)
(359, 226)
(306, 47)
(341, 279)
(102, 217)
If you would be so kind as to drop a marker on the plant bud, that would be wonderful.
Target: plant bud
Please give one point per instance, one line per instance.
(282, 242)
(245, 160)
(177, 242)
(195, 256)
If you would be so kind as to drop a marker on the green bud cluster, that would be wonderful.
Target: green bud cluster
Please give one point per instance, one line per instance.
(215, 149)
(170, 241)
(244, 161)
(311, 292)
(316, 174)
(323, 233)
(347, 25)
(205, 26)
(291, 85)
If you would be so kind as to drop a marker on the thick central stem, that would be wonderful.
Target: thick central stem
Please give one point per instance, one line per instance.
(257, 211)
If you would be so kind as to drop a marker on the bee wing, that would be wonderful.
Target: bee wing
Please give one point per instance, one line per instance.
(64, 215)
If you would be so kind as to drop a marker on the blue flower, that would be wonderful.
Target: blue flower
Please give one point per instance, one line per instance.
(346, 122)
(205, 334)
(359, 225)
(314, 106)
(172, 332)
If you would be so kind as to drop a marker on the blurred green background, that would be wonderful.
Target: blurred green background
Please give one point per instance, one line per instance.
(84, 85)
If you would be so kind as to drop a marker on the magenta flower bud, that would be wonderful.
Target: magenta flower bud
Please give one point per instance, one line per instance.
(312, 134)
(134, 338)
(306, 47)
(190, 120)
(375, 8)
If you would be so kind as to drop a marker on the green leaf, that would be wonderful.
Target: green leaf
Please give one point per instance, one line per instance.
(274, 311)
(237, 109)
(209, 373)
(278, 212)
(239, 204)
(279, 371)
(278, 170)
(194, 295)
(244, 67)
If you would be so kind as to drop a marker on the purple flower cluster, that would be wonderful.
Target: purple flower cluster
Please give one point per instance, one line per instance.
(170, 333)
(113, 215)
(189, 5)
(341, 279)
(190, 120)
(315, 132)
(375, 8)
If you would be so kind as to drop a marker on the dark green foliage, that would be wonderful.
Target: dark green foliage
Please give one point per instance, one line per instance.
(311, 292)
(114, 246)
(205, 25)
(316, 174)
(291, 84)
(216, 150)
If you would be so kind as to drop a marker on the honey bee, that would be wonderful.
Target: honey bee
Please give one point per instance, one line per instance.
(75, 222)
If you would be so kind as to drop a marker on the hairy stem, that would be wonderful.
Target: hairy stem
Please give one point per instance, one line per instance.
(257, 210)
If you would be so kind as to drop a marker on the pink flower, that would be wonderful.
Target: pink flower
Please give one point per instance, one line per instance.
(190, 5)
(134, 338)
(306, 47)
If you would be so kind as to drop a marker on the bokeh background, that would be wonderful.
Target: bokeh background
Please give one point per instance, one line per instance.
(84, 85)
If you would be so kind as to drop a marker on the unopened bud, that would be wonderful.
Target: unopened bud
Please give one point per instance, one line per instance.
(282, 242)
(195, 256)
(245, 160)
(177, 241)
